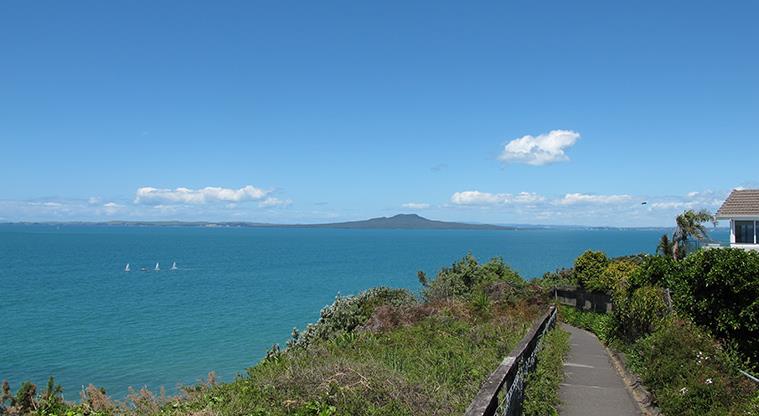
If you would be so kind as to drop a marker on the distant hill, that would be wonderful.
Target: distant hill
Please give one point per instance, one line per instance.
(400, 221)
(409, 221)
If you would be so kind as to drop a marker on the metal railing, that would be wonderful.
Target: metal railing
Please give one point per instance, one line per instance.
(503, 391)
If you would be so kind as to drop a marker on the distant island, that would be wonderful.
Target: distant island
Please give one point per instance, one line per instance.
(408, 221)
(400, 221)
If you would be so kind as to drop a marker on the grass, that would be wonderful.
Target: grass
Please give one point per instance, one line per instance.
(542, 391)
(398, 363)
(432, 367)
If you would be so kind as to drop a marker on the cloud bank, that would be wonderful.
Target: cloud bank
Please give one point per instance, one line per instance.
(539, 150)
(578, 198)
(209, 194)
(478, 198)
(416, 205)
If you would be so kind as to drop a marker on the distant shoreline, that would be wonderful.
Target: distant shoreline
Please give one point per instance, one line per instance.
(397, 222)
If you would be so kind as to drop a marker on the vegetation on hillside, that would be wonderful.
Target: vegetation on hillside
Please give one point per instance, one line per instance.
(686, 325)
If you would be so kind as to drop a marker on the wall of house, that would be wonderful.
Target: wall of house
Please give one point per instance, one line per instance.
(754, 246)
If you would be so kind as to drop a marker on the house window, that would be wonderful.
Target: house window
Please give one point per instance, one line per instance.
(744, 232)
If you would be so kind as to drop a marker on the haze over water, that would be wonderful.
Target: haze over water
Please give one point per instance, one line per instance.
(68, 308)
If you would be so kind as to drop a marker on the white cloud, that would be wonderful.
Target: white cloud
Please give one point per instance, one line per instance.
(416, 205)
(154, 196)
(539, 150)
(670, 205)
(46, 204)
(165, 209)
(693, 200)
(111, 208)
(578, 198)
(274, 202)
(486, 198)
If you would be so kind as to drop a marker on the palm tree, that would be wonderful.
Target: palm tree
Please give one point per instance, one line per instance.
(665, 247)
(690, 224)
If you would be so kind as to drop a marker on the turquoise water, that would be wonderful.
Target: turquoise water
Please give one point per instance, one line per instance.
(67, 307)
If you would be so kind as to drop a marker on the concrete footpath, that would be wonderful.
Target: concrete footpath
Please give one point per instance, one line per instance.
(591, 385)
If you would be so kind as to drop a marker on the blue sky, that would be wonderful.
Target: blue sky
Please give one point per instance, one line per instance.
(504, 112)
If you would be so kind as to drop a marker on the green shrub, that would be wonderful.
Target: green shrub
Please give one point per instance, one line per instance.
(347, 313)
(688, 371)
(597, 323)
(719, 290)
(560, 277)
(614, 279)
(588, 269)
(639, 313)
(466, 277)
(51, 400)
(656, 271)
(542, 385)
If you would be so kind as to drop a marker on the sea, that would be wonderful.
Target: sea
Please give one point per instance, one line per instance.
(69, 309)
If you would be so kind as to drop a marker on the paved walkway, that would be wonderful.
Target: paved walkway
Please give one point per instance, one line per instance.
(592, 386)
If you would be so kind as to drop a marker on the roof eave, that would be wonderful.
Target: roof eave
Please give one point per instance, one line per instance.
(736, 216)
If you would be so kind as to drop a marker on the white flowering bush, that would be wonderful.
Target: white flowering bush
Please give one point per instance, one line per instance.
(690, 373)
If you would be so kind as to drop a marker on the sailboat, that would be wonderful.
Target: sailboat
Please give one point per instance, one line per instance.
(174, 266)
(157, 268)
(127, 269)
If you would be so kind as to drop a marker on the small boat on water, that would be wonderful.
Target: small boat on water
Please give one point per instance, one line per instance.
(157, 268)
(127, 269)
(174, 266)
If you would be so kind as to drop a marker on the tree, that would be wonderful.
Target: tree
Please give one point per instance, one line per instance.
(665, 247)
(690, 224)
(589, 267)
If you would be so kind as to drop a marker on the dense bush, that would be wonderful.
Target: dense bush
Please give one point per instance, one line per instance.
(639, 312)
(26, 400)
(656, 271)
(689, 372)
(680, 351)
(600, 324)
(467, 278)
(589, 267)
(347, 313)
(614, 278)
(558, 278)
(717, 288)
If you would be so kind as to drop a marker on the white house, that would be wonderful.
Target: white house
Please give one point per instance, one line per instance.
(742, 209)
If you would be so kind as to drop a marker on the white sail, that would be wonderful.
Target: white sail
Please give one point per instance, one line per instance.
(156, 267)
(174, 266)
(127, 269)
